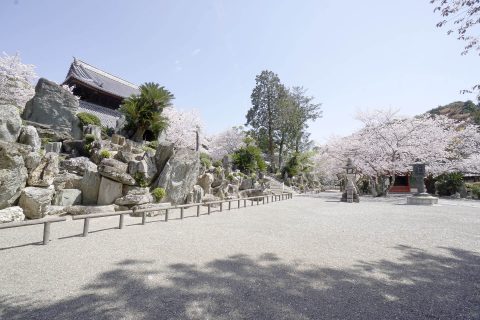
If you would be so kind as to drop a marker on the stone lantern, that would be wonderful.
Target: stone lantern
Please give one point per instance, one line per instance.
(421, 197)
(350, 194)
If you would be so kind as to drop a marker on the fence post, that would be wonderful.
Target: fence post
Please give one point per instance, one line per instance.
(166, 215)
(120, 224)
(198, 211)
(263, 199)
(86, 222)
(144, 217)
(244, 203)
(229, 205)
(209, 208)
(46, 232)
(181, 213)
(238, 204)
(221, 206)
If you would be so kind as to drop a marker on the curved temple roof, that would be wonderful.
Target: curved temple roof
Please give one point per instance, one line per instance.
(100, 80)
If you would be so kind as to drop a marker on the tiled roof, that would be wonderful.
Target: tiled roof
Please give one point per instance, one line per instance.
(100, 80)
(108, 117)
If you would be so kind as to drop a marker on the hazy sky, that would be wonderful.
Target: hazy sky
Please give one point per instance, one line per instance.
(351, 55)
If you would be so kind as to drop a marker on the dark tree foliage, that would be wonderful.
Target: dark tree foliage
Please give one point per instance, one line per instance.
(266, 98)
(144, 111)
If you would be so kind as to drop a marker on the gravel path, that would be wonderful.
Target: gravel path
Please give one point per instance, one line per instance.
(305, 258)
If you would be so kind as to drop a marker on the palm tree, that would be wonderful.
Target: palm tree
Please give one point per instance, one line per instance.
(144, 111)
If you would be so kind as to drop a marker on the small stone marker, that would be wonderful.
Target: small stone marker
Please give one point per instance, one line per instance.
(421, 197)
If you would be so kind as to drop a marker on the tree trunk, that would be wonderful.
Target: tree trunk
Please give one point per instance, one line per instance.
(138, 136)
(280, 152)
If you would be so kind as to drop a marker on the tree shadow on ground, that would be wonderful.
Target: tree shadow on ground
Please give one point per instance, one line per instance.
(419, 285)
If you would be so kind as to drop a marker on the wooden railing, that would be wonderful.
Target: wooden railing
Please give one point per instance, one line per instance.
(87, 217)
(46, 225)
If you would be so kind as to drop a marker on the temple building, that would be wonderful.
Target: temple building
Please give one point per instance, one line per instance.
(100, 92)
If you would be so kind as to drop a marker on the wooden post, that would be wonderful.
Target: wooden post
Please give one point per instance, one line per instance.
(238, 204)
(251, 202)
(197, 145)
(244, 203)
(263, 199)
(181, 213)
(144, 217)
(46, 232)
(229, 205)
(166, 215)
(209, 208)
(198, 211)
(267, 198)
(221, 206)
(86, 222)
(120, 224)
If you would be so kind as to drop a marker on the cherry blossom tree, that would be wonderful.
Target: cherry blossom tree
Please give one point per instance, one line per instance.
(226, 142)
(182, 127)
(388, 144)
(16, 80)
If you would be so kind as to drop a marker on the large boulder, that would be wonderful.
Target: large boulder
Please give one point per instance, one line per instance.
(29, 136)
(10, 123)
(67, 180)
(67, 197)
(32, 160)
(115, 170)
(13, 173)
(90, 186)
(135, 197)
(34, 201)
(11, 214)
(205, 181)
(44, 174)
(54, 106)
(109, 191)
(145, 169)
(179, 175)
(164, 152)
(77, 165)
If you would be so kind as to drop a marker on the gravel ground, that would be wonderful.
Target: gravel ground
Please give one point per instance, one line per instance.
(305, 258)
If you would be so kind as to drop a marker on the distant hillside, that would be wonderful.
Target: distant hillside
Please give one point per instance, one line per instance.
(466, 111)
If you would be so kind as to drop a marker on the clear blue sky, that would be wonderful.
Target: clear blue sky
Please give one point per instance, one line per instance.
(349, 54)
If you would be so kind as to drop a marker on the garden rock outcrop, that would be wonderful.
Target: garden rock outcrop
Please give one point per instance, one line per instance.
(10, 123)
(54, 106)
(179, 175)
(13, 173)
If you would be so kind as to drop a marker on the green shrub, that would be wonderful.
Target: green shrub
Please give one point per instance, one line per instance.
(88, 118)
(218, 170)
(140, 179)
(230, 177)
(298, 163)
(105, 154)
(249, 159)
(205, 160)
(449, 183)
(217, 163)
(89, 138)
(158, 194)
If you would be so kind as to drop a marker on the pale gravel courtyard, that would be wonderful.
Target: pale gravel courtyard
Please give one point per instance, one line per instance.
(305, 258)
